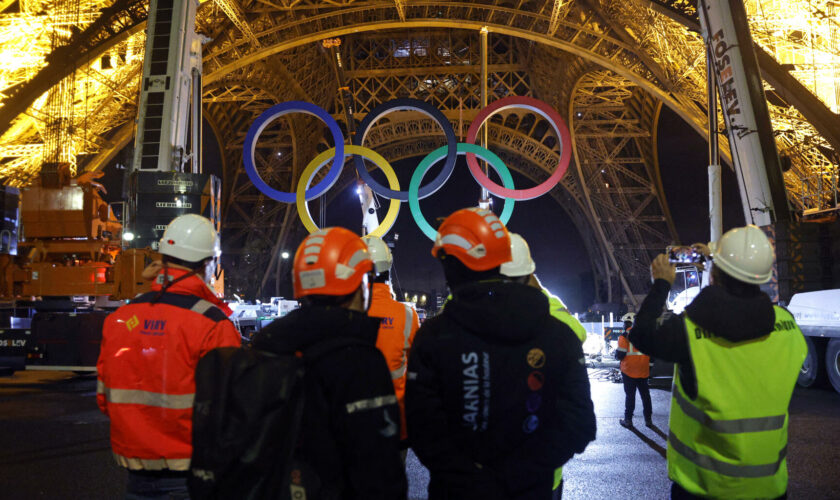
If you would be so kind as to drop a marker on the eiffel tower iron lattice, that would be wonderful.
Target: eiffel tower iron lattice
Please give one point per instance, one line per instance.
(606, 66)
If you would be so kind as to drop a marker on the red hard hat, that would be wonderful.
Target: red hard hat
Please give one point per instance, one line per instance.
(332, 261)
(476, 237)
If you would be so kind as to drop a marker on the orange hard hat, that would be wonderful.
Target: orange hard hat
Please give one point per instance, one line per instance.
(476, 237)
(331, 261)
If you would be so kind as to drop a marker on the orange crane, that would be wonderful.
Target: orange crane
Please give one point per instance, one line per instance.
(70, 245)
(68, 271)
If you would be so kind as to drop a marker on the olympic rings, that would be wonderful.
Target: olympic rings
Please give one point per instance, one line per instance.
(414, 105)
(319, 161)
(414, 193)
(541, 109)
(435, 156)
(270, 115)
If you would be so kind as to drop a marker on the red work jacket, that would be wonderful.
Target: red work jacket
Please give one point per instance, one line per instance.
(635, 364)
(146, 370)
(396, 334)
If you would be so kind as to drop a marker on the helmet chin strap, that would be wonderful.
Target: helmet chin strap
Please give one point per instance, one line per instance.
(167, 283)
(218, 270)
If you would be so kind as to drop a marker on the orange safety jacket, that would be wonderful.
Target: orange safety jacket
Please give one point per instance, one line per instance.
(146, 368)
(635, 364)
(396, 334)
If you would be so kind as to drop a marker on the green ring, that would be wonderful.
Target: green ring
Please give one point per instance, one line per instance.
(437, 155)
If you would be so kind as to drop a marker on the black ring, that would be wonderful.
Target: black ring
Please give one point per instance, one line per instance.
(405, 103)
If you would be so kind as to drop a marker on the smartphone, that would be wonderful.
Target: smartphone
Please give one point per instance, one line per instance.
(684, 255)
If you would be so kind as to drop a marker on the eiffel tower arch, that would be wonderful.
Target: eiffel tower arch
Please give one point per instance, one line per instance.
(607, 67)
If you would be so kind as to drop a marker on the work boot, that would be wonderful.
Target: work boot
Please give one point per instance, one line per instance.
(648, 421)
(626, 423)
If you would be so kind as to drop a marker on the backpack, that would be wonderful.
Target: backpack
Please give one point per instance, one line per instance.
(246, 420)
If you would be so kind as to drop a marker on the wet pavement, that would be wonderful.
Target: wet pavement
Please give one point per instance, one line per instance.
(54, 441)
(54, 444)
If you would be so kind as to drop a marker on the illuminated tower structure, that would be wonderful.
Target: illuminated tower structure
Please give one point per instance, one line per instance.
(608, 67)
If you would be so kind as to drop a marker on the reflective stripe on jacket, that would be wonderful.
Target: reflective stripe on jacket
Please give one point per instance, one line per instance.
(146, 372)
(635, 364)
(731, 440)
(396, 334)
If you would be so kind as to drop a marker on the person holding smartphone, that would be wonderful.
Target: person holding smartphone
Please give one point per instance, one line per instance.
(737, 359)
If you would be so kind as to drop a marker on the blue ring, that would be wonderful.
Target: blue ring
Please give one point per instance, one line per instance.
(272, 114)
(404, 103)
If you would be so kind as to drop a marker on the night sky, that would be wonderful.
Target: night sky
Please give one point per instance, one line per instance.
(683, 160)
(562, 263)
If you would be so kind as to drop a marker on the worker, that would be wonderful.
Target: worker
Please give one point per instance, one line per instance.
(150, 348)
(737, 358)
(521, 268)
(398, 323)
(635, 370)
(497, 395)
(350, 434)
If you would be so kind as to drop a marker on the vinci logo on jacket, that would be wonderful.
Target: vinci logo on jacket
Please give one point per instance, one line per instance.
(145, 384)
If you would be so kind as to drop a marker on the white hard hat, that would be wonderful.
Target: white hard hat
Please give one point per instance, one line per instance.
(520, 263)
(745, 254)
(380, 254)
(190, 237)
(630, 317)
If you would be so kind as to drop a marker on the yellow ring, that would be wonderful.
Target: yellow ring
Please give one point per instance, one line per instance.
(319, 161)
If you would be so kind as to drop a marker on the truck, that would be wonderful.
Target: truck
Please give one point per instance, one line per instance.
(818, 316)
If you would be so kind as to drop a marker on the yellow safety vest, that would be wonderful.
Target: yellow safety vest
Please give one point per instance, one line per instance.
(731, 440)
(557, 308)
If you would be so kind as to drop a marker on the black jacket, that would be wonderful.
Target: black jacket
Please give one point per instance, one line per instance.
(350, 428)
(734, 318)
(497, 395)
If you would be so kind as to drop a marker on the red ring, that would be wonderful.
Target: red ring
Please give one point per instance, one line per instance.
(541, 109)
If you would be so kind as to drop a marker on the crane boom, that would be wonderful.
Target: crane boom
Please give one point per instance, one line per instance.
(744, 106)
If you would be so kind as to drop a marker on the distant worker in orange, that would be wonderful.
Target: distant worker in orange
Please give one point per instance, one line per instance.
(399, 323)
(146, 365)
(635, 370)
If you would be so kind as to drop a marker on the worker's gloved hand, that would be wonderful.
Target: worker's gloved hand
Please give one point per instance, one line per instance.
(661, 269)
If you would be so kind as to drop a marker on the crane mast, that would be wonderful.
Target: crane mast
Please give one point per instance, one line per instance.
(166, 178)
(173, 54)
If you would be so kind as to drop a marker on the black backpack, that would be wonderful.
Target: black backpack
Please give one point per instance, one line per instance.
(246, 421)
